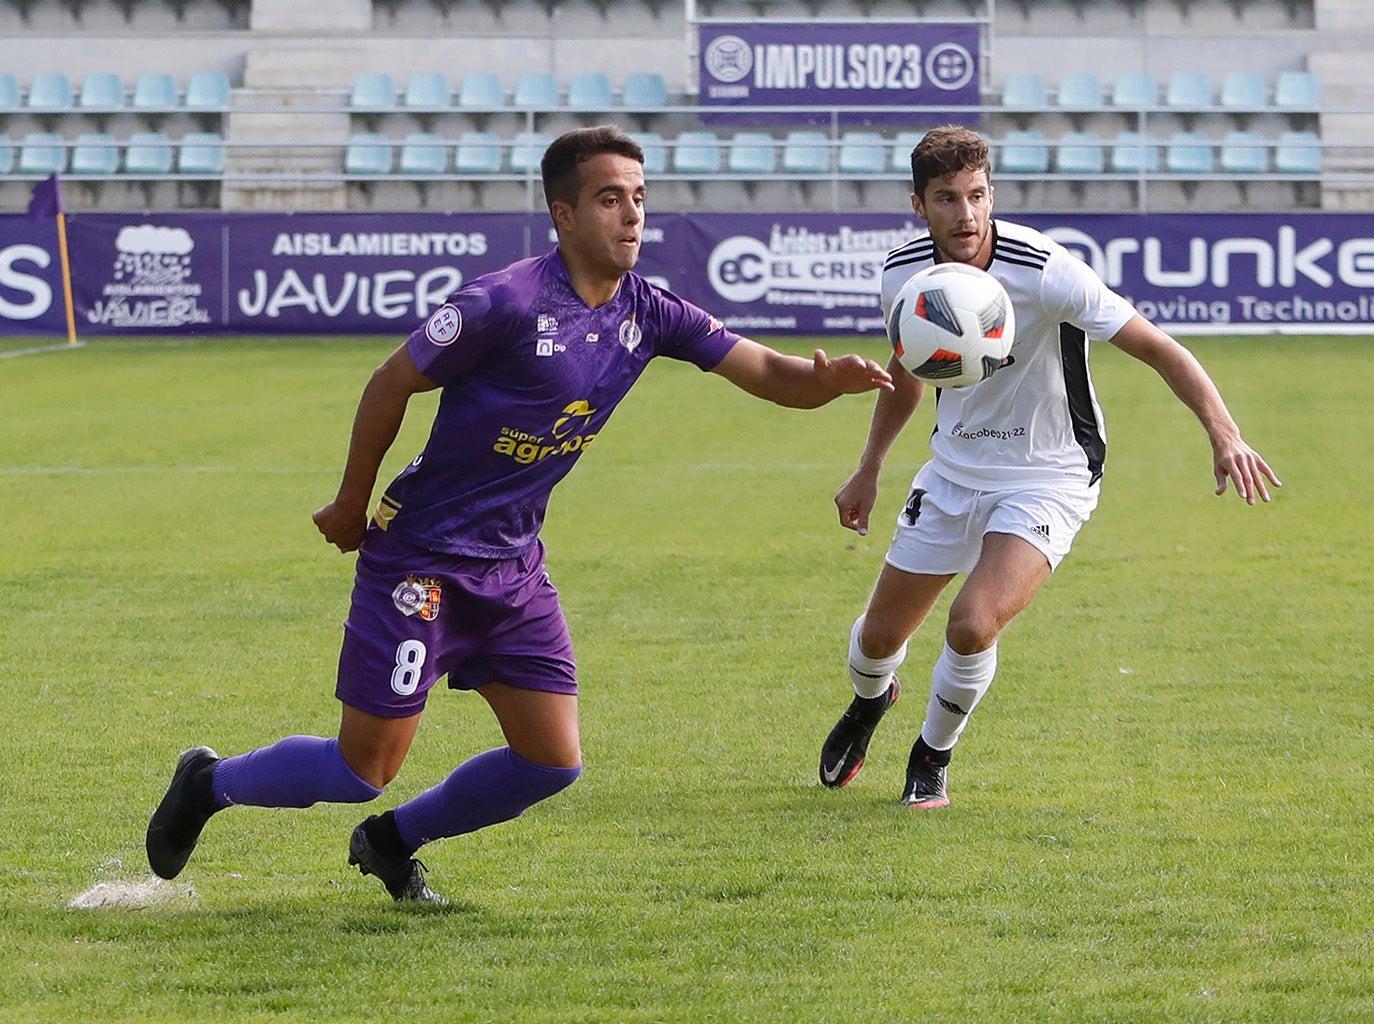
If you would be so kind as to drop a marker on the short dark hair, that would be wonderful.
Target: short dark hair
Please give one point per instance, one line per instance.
(565, 155)
(949, 149)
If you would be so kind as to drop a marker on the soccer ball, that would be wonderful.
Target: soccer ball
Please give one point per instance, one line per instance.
(952, 325)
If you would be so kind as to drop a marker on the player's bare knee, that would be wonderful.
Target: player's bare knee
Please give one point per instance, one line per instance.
(970, 633)
(878, 643)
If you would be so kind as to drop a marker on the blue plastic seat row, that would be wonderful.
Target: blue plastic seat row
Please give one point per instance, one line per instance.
(485, 90)
(104, 92)
(1182, 90)
(142, 154)
(1184, 153)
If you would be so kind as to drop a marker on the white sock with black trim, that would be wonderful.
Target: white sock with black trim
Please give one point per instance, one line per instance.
(957, 684)
(871, 676)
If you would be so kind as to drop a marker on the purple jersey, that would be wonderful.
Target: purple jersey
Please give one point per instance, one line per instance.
(530, 373)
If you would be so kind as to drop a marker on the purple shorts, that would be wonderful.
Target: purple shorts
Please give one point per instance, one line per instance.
(418, 615)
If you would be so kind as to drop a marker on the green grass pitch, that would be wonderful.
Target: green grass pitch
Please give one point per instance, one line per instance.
(1162, 811)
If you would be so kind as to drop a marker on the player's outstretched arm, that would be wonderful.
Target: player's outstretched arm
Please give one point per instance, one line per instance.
(380, 412)
(856, 497)
(1232, 459)
(796, 382)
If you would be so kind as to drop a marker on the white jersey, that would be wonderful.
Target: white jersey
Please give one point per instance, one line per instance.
(1036, 421)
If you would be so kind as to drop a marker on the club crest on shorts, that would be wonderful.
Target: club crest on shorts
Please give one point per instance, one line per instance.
(418, 597)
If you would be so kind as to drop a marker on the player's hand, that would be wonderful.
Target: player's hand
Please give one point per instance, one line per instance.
(851, 374)
(343, 525)
(855, 500)
(1238, 462)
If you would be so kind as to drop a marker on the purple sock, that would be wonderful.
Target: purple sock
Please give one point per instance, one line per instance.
(492, 787)
(295, 772)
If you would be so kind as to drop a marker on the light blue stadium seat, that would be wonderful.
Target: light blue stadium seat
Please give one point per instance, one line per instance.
(1244, 153)
(644, 90)
(751, 152)
(590, 90)
(201, 153)
(1188, 91)
(1134, 153)
(9, 93)
(6, 154)
(655, 152)
(806, 151)
(42, 153)
(1080, 90)
(1024, 152)
(527, 150)
(1134, 89)
(1080, 153)
(423, 153)
(1024, 91)
(535, 90)
(50, 91)
(481, 90)
(1297, 90)
(1188, 153)
(368, 153)
(95, 153)
(373, 91)
(1243, 91)
(902, 146)
(1298, 153)
(862, 153)
(155, 92)
(207, 92)
(148, 154)
(427, 90)
(477, 153)
(696, 152)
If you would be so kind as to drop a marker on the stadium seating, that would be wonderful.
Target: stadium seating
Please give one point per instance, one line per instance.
(1080, 90)
(42, 153)
(1298, 153)
(1024, 152)
(1244, 152)
(1134, 89)
(655, 152)
(590, 91)
(862, 153)
(1024, 91)
(477, 153)
(527, 150)
(50, 92)
(535, 90)
(1188, 153)
(696, 152)
(201, 153)
(1134, 153)
(207, 92)
(481, 90)
(9, 93)
(148, 154)
(1243, 91)
(426, 91)
(367, 154)
(95, 153)
(751, 152)
(644, 90)
(1297, 91)
(806, 151)
(424, 154)
(6, 154)
(154, 93)
(1080, 153)
(373, 92)
(1188, 90)
(101, 92)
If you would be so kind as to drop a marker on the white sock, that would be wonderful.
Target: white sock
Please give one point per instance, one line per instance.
(957, 684)
(871, 676)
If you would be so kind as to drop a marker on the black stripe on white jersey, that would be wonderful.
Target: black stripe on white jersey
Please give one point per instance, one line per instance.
(1073, 357)
(1021, 248)
(909, 254)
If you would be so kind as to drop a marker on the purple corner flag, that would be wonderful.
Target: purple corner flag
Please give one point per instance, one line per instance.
(47, 198)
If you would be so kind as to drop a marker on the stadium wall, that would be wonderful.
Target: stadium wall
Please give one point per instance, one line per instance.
(761, 273)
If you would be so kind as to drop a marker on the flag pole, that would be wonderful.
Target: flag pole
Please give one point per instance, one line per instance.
(66, 277)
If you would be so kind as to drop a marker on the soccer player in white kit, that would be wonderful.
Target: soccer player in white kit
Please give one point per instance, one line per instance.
(1016, 460)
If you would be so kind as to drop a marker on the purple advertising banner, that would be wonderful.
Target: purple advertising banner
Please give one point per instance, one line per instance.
(761, 273)
(837, 66)
(30, 278)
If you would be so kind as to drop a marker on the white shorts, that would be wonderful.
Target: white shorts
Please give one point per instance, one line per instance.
(940, 531)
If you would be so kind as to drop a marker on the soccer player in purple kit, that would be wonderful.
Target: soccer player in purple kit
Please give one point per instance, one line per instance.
(450, 577)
